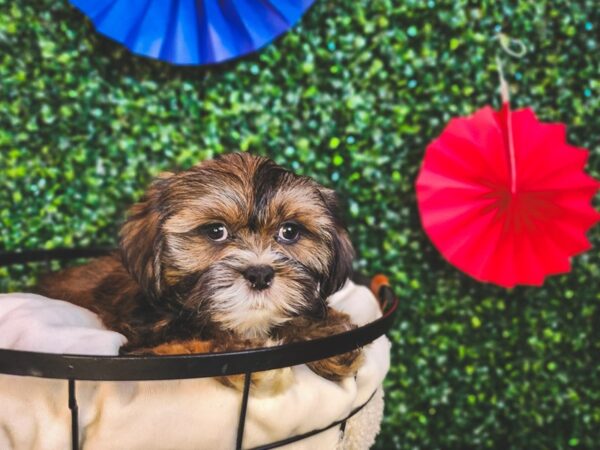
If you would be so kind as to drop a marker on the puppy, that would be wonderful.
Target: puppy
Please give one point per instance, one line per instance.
(235, 252)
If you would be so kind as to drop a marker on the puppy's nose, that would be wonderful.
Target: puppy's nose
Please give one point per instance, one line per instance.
(260, 277)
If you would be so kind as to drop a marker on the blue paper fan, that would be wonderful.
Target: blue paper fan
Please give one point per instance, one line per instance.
(193, 32)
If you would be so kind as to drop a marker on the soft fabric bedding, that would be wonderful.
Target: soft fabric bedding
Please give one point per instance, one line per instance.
(183, 414)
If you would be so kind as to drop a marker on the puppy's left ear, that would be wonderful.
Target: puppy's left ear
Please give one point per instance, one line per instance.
(342, 253)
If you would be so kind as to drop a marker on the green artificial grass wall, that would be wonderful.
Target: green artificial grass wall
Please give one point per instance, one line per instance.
(351, 97)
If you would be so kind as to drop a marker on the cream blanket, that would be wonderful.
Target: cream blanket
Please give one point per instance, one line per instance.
(179, 415)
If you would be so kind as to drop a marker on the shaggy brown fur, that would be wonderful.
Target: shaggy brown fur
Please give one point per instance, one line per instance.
(180, 281)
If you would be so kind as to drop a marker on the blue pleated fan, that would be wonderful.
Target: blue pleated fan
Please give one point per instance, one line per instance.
(193, 32)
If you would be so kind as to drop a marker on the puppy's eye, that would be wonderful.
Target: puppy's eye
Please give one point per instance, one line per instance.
(288, 233)
(215, 231)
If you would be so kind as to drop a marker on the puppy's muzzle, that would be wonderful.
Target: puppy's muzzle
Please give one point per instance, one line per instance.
(260, 277)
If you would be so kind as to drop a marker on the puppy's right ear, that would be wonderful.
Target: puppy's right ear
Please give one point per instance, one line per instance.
(342, 252)
(141, 239)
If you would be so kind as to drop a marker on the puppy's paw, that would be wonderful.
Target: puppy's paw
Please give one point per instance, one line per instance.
(175, 348)
(338, 367)
(267, 383)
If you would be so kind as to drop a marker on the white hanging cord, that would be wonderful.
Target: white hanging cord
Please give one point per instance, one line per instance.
(504, 91)
(518, 51)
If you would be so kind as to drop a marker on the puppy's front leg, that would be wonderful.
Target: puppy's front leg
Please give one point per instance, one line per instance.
(270, 382)
(336, 367)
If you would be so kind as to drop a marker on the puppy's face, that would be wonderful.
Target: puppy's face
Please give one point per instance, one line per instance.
(239, 241)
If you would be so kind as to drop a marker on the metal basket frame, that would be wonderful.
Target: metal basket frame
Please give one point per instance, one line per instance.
(171, 367)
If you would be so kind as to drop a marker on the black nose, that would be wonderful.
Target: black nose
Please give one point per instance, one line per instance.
(260, 277)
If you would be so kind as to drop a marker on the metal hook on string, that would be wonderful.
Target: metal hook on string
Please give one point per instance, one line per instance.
(506, 42)
(518, 50)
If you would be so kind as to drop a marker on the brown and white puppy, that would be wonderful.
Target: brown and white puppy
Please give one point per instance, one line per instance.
(234, 252)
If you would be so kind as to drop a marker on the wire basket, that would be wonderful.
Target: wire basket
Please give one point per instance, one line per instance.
(72, 368)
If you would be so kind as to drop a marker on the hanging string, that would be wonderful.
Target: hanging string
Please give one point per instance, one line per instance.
(518, 51)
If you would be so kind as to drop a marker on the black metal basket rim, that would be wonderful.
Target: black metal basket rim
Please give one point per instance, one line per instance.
(146, 368)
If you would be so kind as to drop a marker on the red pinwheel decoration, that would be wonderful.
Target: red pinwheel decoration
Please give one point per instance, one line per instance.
(504, 197)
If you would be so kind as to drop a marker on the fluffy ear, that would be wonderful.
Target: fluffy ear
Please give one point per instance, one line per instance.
(340, 267)
(141, 240)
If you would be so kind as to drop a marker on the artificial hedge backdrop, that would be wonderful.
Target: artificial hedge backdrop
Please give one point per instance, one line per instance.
(351, 97)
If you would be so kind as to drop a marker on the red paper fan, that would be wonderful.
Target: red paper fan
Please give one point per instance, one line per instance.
(504, 197)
